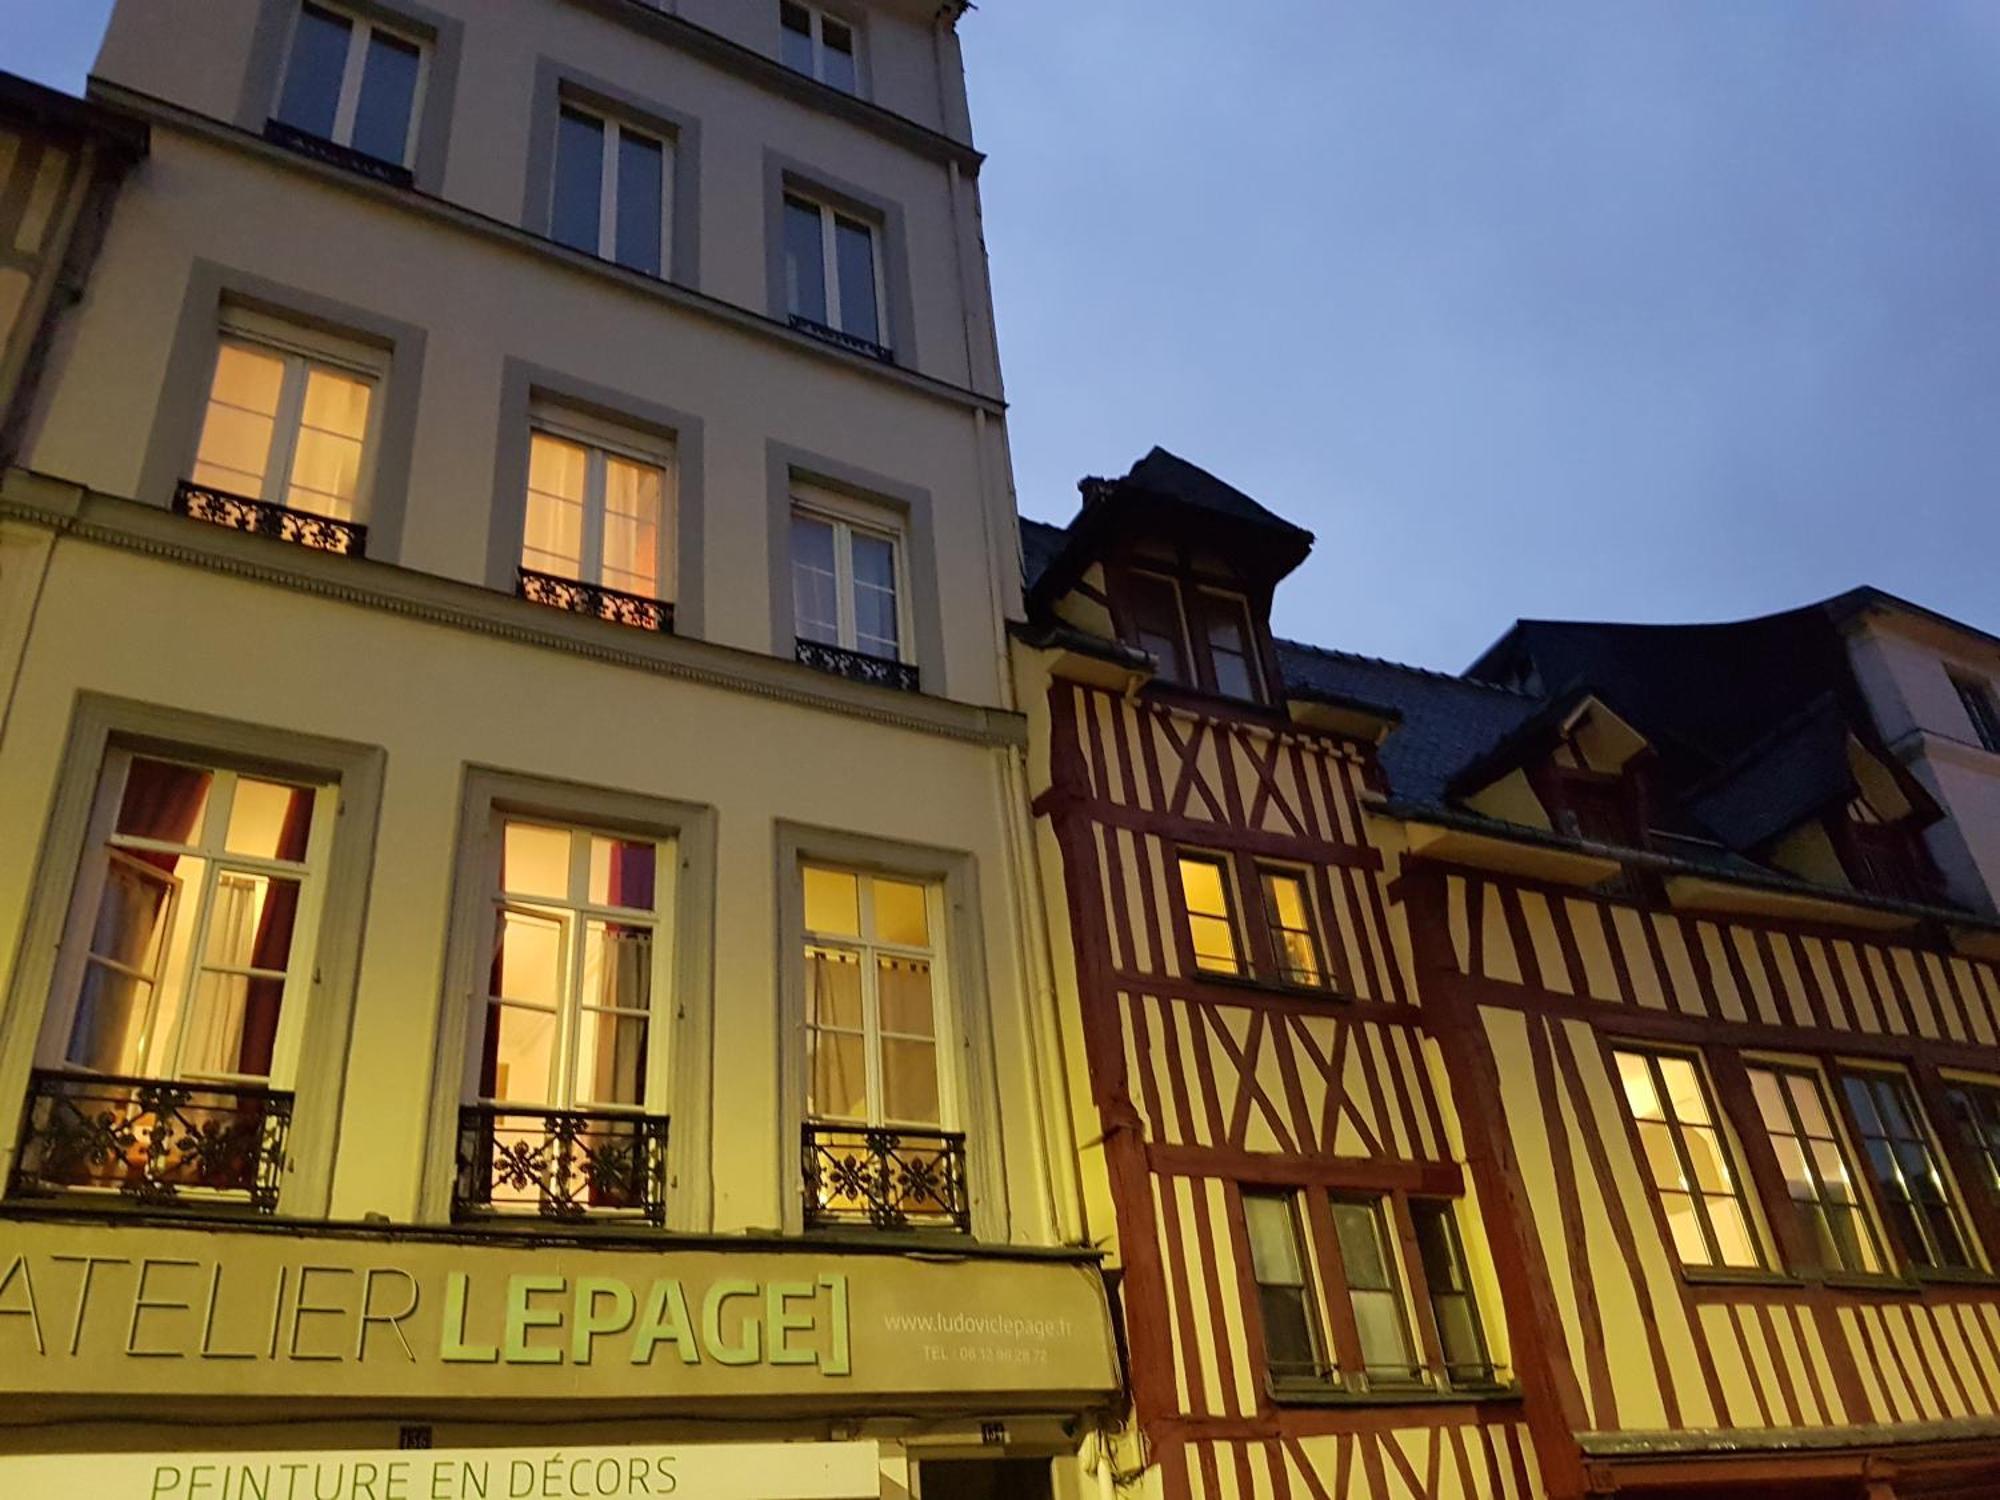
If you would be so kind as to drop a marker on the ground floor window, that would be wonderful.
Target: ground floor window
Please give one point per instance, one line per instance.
(984, 1479)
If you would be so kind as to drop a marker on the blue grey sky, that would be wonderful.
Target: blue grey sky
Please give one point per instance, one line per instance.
(1663, 309)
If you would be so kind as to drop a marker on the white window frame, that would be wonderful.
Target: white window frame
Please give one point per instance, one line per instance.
(101, 838)
(945, 1046)
(829, 255)
(578, 911)
(816, 18)
(600, 439)
(362, 32)
(847, 517)
(607, 198)
(301, 350)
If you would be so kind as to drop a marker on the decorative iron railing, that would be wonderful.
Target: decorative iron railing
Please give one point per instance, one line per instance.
(153, 1140)
(858, 666)
(852, 343)
(560, 1164)
(885, 1178)
(319, 148)
(614, 605)
(241, 513)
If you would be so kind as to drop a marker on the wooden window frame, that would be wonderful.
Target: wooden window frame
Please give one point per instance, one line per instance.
(1900, 1080)
(1279, 970)
(1483, 1375)
(1326, 1374)
(1246, 961)
(1190, 592)
(1780, 1207)
(1258, 961)
(1975, 694)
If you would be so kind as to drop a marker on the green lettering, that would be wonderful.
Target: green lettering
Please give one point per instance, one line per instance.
(782, 1322)
(666, 1319)
(836, 1361)
(724, 1353)
(590, 1321)
(452, 1347)
(522, 1316)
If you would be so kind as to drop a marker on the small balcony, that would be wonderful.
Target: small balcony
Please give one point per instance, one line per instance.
(852, 343)
(153, 1142)
(858, 666)
(320, 149)
(240, 513)
(560, 1164)
(885, 1178)
(614, 605)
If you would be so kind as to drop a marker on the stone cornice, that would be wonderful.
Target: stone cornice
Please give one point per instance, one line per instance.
(85, 515)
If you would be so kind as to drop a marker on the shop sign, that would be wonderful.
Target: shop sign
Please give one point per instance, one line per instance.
(737, 1471)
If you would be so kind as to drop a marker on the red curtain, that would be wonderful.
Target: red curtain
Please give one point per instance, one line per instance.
(271, 948)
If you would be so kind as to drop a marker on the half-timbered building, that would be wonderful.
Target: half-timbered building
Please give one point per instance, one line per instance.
(1495, 1086)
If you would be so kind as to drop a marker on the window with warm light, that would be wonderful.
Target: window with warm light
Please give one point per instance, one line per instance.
(847, 564)
(1207, 894)
(613, 191)
(1818, 1170)
(290, 419)
(1910, 1178)
(600, 507)
(1686, 1159)
(819, 45)
(353, 81)
(1288, 914)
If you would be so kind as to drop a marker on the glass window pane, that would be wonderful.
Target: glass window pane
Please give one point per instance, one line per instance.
(250, 921)
(910, 1082)
(795, 35)
(1770, 1100)
(268, 820)
(1806, 1097)
(521, 1056)
(833, 901)
(805, 261)
(902, 913)
(1362, 1253)
(1711, 1167)
(251, 379)
(1274, 1247)
(558, 467)
(839, 1076)
(530, 967)
(903, 993)
(618, 966)
(875, 624)
(311, 95)
(611, 1059)
(1684, 1090)
(1662, 1162)
(621, 872)
(336, 403)
(1385, 1332)
(1289, 1345)
(575, 217)
(388, 96)
(1732, 1232)
(854, 245)
(1641, 1098)
(642, 176)
(1286, 894)
(837, 56)
(164, 801)
(235, 447)
(552, 536)
(833, 988)
(535, 860)
(1214, 943)
(815, 586)
(1202, 886)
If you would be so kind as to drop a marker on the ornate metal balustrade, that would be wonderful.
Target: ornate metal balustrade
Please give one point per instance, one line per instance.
(560, 1164)
(858, 666)
(594, 599)
(153, 1141)
(336, 155)
(867, 348)
(241, 513)
(888, 1179)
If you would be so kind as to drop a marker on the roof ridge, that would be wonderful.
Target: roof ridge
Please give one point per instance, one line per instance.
(1435, 673)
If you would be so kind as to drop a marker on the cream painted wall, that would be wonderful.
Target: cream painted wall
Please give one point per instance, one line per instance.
(436, 698)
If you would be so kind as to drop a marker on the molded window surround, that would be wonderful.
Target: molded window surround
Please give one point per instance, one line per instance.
(527, 391)
(441, 36)
(896, 316)
(349, 772)
(558, 87)
(215, 295)
(976, 1087)
(790, 468)
(821, 44)
(489, 798)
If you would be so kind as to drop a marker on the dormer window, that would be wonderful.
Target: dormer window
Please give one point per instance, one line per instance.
(1883, 856)
(1228, 635)
(1203, 637)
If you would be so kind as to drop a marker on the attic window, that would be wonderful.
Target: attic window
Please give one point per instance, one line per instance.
(1886, 858)
(1980, 709)
(1202, 636)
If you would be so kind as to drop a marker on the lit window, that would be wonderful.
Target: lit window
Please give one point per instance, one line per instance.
(1980, 708)
(819, 45)
(1380, 1318)
(613, 195)
(1916, 1198)
(874, 1026)
(576, 994)
(1818, 1174)
(287, 423)
(1449, 1285)
(598, 512)
(1294, 936)
(1157, 626)
(1294, 1345)
(1976, 1107)
(1689, 1166)
(186, 958)
(1211, 914)
(352, 82)
(1232, 659)
(846, 588)
(833, 274)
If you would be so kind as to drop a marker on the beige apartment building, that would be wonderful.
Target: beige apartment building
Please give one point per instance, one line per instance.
(516, 956)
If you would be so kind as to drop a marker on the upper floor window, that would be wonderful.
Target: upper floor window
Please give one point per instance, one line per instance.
(1976, 1107)
(833, 270)
(354, 82)
(600, 508)
(1381, 1318)
(1461, 1335)
(290, 418)
(1229, 637)
(1698, 1185)
(1910, 1178)
(819, 45)
(1208, 892)
(1818, 1170)
(847, 564)
(1202, 637)
(1294, 1343)
(613, 192)
(1980, 708)
(1288, 914)
(1158, 626)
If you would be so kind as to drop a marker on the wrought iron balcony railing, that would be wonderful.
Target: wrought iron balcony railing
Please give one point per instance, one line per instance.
(885, 1178)
(241, 513)
(319, 148)
(560, 1164)
(858, 666)
(852, 343)
(152, 1140)
(614, 605)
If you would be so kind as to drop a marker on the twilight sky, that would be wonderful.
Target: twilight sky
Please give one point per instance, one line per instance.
(1668, 309)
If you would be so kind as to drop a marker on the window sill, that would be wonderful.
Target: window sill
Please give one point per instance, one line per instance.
(867, 348)
(305, 143)
(1726, 1276)
(1254, 984)
(1332, 1396)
